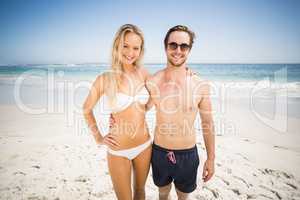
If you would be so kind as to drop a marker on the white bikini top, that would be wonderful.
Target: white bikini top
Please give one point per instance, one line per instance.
(123, 100)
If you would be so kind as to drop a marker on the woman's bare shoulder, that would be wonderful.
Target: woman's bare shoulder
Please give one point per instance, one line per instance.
(145, 73)
(100, 80)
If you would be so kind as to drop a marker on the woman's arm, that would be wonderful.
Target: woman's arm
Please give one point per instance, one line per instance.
(95, 93)
(150, 102)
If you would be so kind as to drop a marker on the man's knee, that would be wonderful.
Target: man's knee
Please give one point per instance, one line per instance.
(182, 195)
(164, 191)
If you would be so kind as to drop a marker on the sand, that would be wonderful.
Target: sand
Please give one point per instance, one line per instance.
(50, 156)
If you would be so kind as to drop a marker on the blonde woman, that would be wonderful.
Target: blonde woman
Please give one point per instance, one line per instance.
(123, 92)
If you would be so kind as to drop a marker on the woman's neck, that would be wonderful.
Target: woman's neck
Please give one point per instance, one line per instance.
(128, 68)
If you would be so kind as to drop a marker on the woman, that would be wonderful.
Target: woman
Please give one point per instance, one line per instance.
(123, 92)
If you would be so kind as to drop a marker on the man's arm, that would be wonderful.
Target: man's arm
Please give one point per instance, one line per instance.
(205, 110)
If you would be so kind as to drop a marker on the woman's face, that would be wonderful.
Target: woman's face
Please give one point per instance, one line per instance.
(131, 49)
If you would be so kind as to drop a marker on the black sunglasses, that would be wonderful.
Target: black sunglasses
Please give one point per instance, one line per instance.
(183, 46)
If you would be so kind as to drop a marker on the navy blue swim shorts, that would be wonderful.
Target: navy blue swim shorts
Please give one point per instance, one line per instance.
(180, 166)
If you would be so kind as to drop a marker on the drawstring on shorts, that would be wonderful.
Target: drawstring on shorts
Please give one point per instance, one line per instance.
(171, 157)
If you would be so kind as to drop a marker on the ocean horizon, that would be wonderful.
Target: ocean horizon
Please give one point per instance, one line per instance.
(241, 72)
(35, 84)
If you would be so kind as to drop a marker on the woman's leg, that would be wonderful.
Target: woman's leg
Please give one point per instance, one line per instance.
(141, 166)
(120, 172)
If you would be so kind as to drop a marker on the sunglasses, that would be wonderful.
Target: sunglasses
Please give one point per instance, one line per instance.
(183, 46)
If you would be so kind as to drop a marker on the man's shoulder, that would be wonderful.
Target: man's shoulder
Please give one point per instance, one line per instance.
(201, 83)
(197, 78)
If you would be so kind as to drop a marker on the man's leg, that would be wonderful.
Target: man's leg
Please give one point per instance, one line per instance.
(164, 192)
(186, 172)
(161, 171)
(181, 195)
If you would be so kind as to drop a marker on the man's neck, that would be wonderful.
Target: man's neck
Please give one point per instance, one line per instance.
(176, 69)
(174, 72)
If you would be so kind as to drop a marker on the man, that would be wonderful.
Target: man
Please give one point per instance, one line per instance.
(177, 96)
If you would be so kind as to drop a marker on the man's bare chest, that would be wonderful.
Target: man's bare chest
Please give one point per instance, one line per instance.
(172, 97)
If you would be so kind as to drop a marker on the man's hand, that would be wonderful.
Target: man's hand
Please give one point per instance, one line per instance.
(208, 170)
(111, 121)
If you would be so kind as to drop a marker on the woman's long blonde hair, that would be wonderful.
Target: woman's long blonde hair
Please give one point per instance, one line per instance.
(113, 77)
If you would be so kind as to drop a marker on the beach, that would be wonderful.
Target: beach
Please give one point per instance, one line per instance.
(47, 152)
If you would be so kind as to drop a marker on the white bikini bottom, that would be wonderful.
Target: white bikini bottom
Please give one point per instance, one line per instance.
(132, 152)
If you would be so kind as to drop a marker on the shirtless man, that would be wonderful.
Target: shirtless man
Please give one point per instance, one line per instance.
(177, 97)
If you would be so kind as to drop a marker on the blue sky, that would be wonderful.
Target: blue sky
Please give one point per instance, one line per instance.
(231, 31)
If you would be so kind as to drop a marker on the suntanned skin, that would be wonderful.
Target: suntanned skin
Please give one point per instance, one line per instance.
(129, 128)
(178, 96)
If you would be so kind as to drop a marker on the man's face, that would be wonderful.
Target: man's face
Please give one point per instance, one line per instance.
(178, 56)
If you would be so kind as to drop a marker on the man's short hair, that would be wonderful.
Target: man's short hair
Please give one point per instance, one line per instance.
(180, 28)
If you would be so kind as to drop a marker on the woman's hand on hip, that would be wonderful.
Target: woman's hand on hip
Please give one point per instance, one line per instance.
(110, 141)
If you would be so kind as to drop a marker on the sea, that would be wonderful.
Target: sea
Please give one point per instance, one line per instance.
(62, 88)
